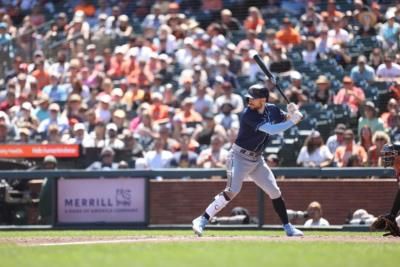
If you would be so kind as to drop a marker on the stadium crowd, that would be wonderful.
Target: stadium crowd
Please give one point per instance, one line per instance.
(163, 81)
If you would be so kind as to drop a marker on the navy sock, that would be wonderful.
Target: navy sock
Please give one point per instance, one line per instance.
(280, 208)
(396, 204)
(205, 215)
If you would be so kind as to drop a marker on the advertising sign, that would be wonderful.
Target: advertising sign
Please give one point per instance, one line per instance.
(39, 151)
(115, 200)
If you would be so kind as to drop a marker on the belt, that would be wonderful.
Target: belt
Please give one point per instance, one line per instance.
(245, 151)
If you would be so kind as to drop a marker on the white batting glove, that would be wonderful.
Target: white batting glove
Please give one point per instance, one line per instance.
(291, 108)
(296, 117)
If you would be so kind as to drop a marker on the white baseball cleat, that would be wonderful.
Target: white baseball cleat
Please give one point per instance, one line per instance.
(199, 224)
(292, 231)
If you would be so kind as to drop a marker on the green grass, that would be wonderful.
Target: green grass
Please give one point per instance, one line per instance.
(198, 254)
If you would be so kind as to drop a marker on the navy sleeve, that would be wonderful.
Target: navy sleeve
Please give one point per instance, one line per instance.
(278, 114)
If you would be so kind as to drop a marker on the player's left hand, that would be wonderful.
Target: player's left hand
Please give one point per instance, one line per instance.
(292, 108)
(296, 117)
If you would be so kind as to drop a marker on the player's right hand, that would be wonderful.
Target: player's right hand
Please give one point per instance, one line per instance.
(291, 108)
(296, 117)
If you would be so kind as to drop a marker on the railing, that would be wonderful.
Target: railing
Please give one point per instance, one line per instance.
(291, 173)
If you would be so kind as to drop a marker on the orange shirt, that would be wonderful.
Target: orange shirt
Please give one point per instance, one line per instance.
(42, 77)
(251, 24)
(288, 36)
(159, 113)
(343, 154)
(88, 9)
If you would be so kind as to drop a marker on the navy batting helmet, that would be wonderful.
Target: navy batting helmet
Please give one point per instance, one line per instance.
(257, 91)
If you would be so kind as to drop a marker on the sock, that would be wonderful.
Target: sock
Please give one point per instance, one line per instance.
(280, 208)
(396, 204)
(218, 204)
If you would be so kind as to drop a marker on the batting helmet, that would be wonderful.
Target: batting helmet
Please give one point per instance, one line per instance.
(257, 91)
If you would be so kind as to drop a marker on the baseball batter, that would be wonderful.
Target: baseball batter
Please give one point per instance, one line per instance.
(391, 158)
(258, 121)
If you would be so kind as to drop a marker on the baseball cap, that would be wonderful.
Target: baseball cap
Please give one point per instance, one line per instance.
(322, 79)
(50, 159)
(295, 75)
(257, 91)
(79, 126)
(54, 106)
(112, 126)
(107, 150)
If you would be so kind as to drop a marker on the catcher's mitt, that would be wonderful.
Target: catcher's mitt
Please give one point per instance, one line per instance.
(386, 223)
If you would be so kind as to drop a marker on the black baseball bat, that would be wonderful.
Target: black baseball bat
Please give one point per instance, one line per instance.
(268, 73)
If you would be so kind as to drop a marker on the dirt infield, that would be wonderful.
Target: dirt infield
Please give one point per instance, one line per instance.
(63, 241)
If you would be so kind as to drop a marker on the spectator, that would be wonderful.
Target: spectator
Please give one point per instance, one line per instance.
(365, 137)
(209, 128)
(42, 104)
(254, 21)
(251, 42)
(296, 93)
(348, 149)
(80, 136)
(158, 111)
(331, 12)
(288, 36)
(350, 95)
(314, 211)
(132, 147)
(53, 135)
(112, 139)
(310, 54)
(158, 157)
(106, 161)
(376, 58)
(388, 70)
(184, 158)
(187, 114)
(226, 118)
(323, 94)
(370, 118)
(338, 35)
(215, 156)
(228, 96)
(229, 22)
(389, 32)
(314, 153)
(374, 152)
(388, 117)
(362, 72)
(54, 119)
(56, 91)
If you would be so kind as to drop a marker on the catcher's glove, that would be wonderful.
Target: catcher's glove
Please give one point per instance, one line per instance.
(386, 223)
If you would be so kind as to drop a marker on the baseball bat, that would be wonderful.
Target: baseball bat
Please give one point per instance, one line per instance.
(267, 72)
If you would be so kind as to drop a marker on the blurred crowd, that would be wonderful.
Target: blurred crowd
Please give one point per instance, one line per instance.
(164, 81)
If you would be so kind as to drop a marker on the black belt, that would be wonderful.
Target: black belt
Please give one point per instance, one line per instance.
(249, 153)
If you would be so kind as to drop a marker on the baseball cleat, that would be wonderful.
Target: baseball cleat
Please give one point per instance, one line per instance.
(199, 224)
(292, 231)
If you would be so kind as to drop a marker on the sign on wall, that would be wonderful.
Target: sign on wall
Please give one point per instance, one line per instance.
(38, 151)
(116, 200)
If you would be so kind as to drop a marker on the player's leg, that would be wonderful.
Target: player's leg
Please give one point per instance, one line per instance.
(265, 179)
(237, 170)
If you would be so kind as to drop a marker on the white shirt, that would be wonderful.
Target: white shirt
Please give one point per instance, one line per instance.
(334, 37)
(385, 72)
(156, 160)
(320, 222)
(332, 143)
(320, 155)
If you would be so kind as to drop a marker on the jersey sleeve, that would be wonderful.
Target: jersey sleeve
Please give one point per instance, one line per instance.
(278, 114)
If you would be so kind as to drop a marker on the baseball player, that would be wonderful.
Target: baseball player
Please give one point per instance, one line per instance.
(391, 158)
(258, 121)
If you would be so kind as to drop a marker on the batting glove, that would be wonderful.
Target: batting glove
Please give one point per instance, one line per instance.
(296, 117)
(291, 108)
